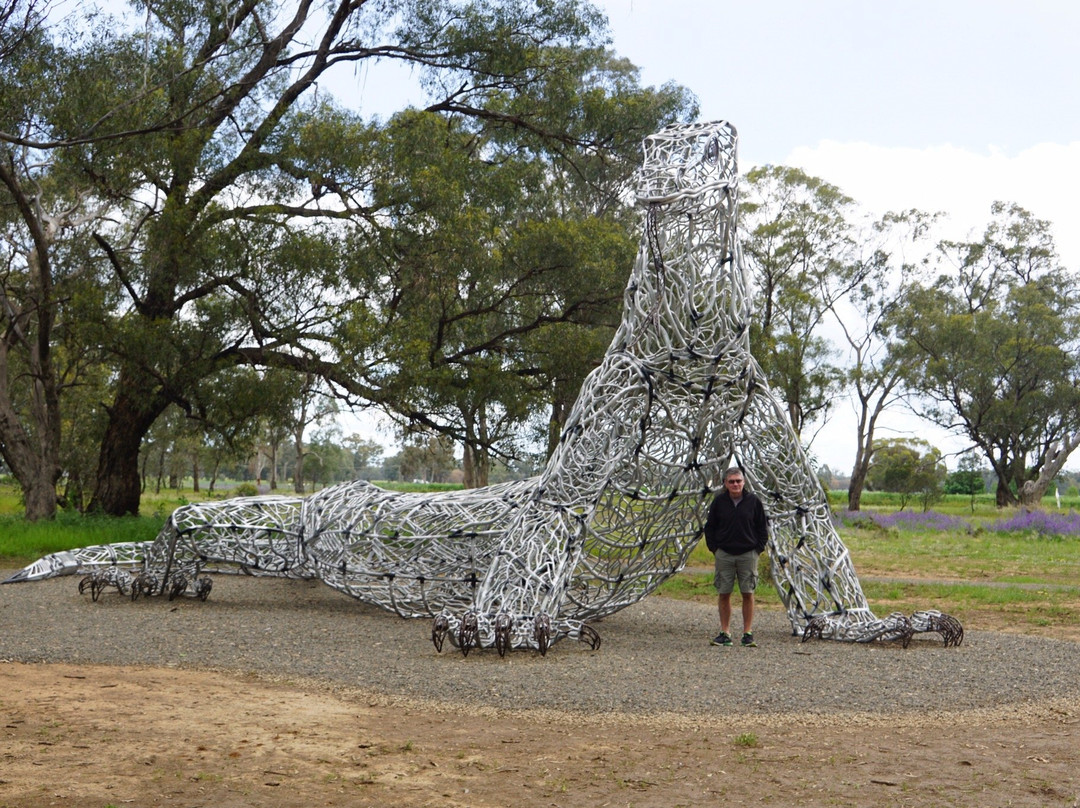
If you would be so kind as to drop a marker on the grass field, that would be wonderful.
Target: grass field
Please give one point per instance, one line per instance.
(988, 568)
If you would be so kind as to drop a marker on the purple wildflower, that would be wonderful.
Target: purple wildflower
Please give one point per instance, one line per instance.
(908, 520)
(1045, 523)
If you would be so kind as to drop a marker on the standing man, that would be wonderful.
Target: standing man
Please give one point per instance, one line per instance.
(736, 531)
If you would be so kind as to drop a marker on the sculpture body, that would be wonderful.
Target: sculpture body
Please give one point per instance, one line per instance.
(677, 398)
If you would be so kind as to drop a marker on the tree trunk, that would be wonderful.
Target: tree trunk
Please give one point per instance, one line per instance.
(160, 472)
(33, 460)
(73, 492)
(39, 495)
(40, 498)
(273, 466)
(562, 402)
(298, 471)
(195, 473)
(31, 449)
(1003, 495)
(117, 486)
(144, 472)
(855, 486)
(1032, 491)
(476, 464)
(32, 466)
(475, 458)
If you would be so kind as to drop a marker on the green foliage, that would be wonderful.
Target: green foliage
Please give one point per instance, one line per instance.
(800, 245)
(964, 482)
(967, 479)
(992, 347)
(747, 740)
(909, 468)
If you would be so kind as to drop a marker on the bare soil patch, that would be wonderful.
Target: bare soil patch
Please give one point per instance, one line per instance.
(92, 735)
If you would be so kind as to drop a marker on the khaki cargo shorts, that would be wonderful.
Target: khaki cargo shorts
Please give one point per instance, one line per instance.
(729, 566)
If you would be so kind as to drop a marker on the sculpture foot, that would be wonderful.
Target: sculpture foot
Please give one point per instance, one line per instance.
(505, 631)
(468, 632)
(894, 627)
(542, 633)
(202, 588)
(145, 583)
(503, 626)
(439, 629)
(104, 577)
(950, 629)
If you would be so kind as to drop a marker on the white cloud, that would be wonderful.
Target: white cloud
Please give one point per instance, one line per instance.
(959, 182)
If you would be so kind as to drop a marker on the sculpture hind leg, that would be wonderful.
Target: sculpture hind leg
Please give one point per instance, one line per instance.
(250, 535)
(812, 569)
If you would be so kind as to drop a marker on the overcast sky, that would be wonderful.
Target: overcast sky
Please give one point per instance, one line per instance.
(940, 104)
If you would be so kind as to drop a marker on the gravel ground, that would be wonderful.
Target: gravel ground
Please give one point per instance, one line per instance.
(655, 658)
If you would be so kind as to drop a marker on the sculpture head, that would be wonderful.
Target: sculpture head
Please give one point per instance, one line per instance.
(689, 166)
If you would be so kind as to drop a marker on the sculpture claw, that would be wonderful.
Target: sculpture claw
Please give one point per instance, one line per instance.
(146, 583)
(590, 636)
(202, 588)
(950, 629)
(178, 585)
(468, 632)
(503, 625)
(542, 633)
(439, 629)
(815, 628)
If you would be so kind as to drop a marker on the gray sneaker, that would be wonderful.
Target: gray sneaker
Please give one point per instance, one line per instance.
(723, 638)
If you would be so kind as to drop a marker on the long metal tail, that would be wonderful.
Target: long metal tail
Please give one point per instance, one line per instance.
(83, 560)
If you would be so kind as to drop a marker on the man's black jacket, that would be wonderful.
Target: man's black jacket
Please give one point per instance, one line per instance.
(736, 529)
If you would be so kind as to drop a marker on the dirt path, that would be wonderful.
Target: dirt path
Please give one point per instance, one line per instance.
(98, 736)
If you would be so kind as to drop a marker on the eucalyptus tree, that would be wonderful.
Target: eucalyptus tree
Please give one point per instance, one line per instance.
(993, 347)
(233, 187)
(366, 455)
(967, 479)
(876, 370)
(236, 409)
(477, 283)
(802, 246)
(48, 286)
(19, 20)
(501, 278)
